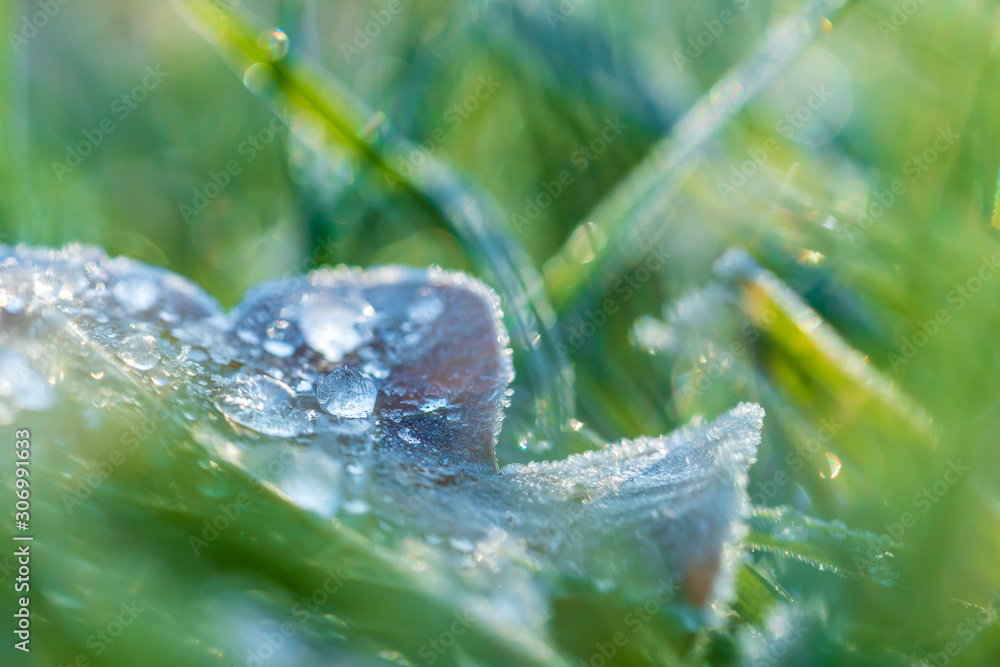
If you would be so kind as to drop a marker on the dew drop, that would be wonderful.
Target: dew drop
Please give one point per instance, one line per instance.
(347, 393)
(835, 466)
(274, 44)
(262, 404)
(257, 77)
(139, 351)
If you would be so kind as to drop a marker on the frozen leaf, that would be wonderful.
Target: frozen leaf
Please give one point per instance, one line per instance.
(380, 393)
(676, 500)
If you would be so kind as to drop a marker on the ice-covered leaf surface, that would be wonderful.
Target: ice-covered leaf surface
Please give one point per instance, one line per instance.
(376, 397)
(678, 499)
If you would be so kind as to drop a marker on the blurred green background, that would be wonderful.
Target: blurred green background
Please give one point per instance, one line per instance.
(869, 168)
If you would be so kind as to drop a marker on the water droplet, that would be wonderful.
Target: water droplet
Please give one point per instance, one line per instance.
(835, 466)
(728, 96)
(335, 326)
(274, 43)
(139, 351)
(135, 295)
(347, 393)
(257, 77)
(262, 404)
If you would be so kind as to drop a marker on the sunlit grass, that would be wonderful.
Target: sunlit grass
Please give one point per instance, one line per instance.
(876, 207)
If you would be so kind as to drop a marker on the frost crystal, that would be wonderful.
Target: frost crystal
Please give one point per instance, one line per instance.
(675, 499)
(375, 394)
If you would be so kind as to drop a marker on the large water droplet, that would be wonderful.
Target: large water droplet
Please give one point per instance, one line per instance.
(835, 466)
(274, 43)
(262, 404)
(347, 393)
(140, 352)
(335, 326)
(257, 78)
